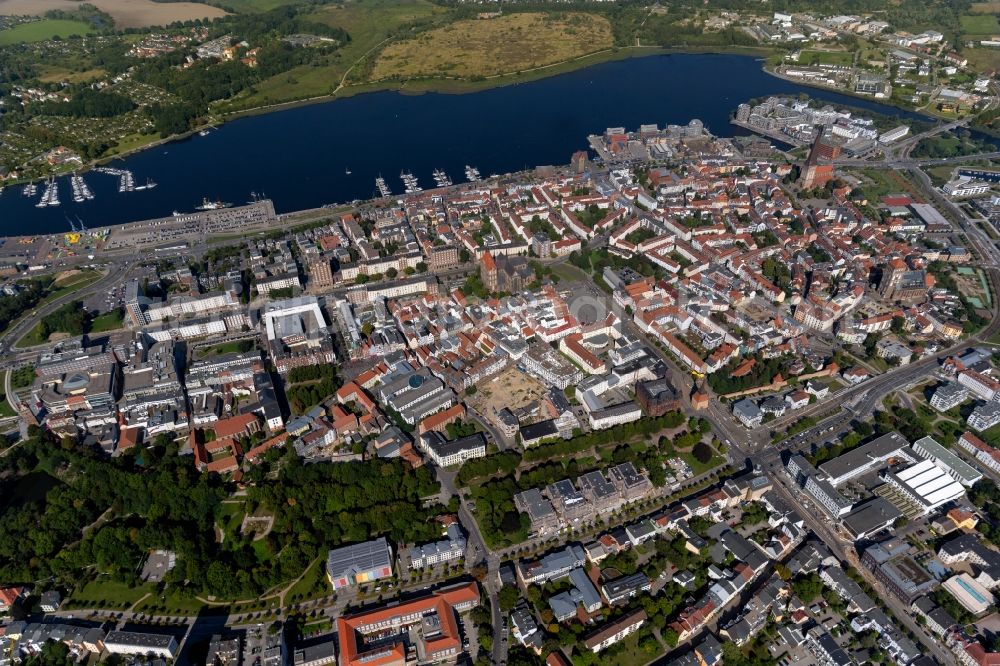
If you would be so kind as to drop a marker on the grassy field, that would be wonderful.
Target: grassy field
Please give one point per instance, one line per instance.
(33, 337)
(985, 8)
(940, 174)
(368, 22)
(38, 31)
(983, 59)
(992, 436)
(312, 585)
(979, 24)
(71, 283)
(826, 58)
(171, 602)
(108, 594)
(512, 43)
(699, 467)
(51, 74)
(109, 321)
(23, 377)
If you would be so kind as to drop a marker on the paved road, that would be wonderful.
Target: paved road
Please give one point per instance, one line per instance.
(117, 273)
(476, 554)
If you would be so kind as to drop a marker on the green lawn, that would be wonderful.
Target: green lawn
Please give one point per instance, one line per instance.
(260, 548)
(979, 24)
(5, 409)
(38, 31)
(23, 377)
(223, 348)
(171, 602)
(940, 174)
(109, 321)
(992, 436)
(72, 283)
(312, 585)
(104, 593)
(230, 518)
(33, 337)
(826, 58)
(698, 467)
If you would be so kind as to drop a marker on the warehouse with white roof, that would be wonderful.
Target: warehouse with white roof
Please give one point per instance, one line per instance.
(919, 489)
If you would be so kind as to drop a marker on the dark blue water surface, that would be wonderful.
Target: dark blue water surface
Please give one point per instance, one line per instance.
(298, 157)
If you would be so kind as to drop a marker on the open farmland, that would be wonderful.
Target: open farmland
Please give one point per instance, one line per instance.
(126, 13)
(37, 31)
(511, 43)
(979, 24)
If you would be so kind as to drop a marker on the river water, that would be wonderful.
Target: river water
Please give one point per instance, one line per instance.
(299, 157)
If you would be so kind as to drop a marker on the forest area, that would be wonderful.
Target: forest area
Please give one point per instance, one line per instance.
(54, 490)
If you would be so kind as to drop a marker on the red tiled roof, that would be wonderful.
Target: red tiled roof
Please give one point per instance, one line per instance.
(353, 653)
(234, 426)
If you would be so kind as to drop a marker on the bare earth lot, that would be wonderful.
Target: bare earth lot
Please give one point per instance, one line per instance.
(127, 13)
(511, 388)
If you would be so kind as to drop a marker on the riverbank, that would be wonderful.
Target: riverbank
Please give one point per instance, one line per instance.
(449, 86)
(326, 153)
(850, 93)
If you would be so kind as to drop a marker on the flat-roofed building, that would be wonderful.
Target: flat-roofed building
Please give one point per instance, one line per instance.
(948, 396)
(894, 566)
(946, 460)
(969, 593)
(870, 518)
(919, 489)
(620, 590)
(866, 458)
(599, 492)
(316, 653)
(142, 644)
(359, 563)
(568, 501)
(630, 483)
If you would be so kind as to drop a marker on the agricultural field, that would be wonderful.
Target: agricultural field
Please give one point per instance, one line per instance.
(255, 6)
(979, 24)
(983, 59)
(39, 31)
(126, 13)
(480, 48)
(985, 7)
